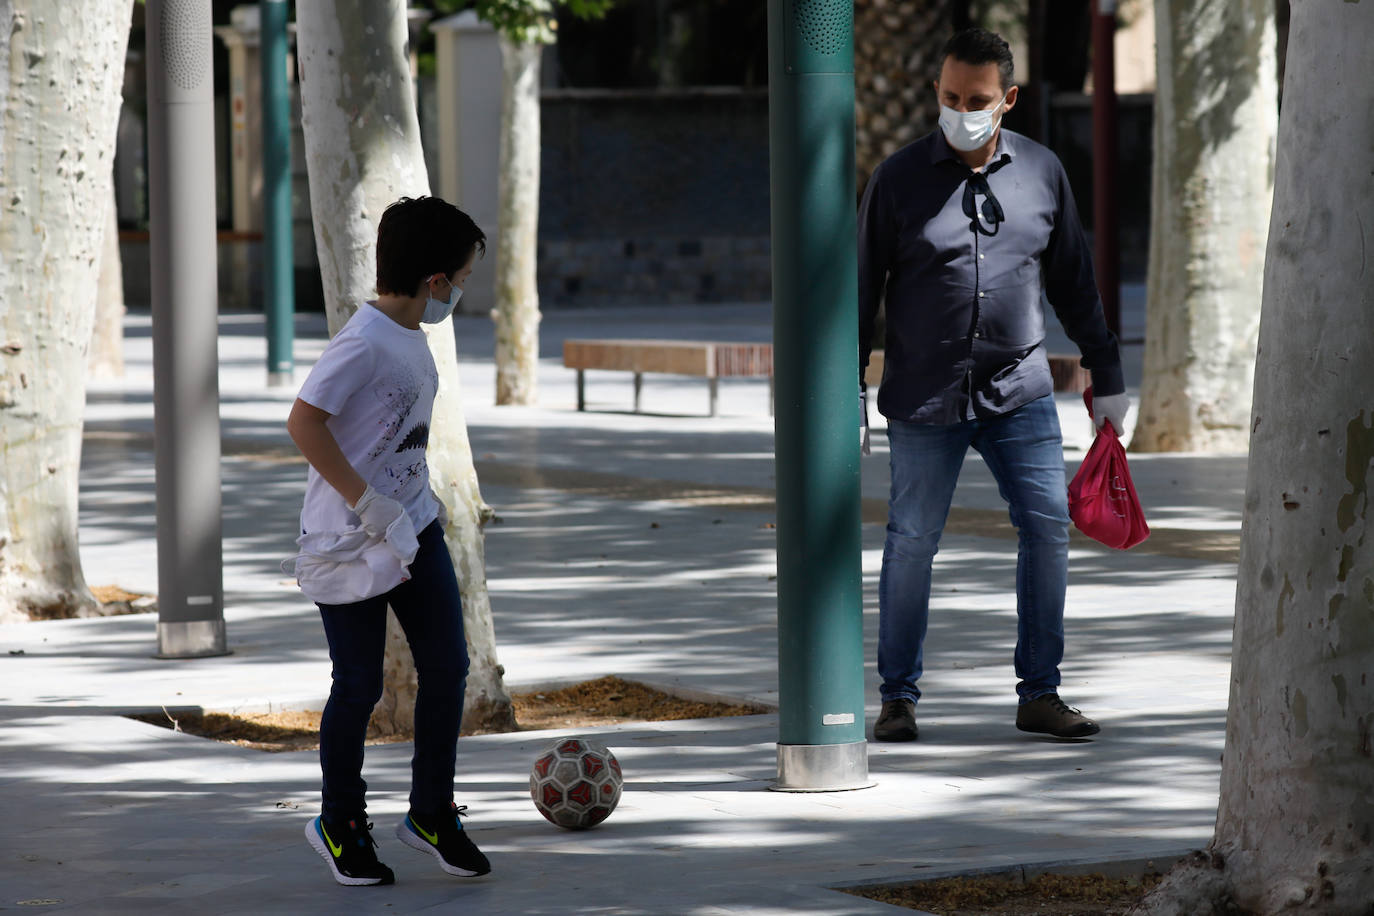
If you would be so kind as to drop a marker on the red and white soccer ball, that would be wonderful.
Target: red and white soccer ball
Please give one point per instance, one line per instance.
(576, 783)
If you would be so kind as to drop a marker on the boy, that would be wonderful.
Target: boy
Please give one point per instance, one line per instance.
(372, 536)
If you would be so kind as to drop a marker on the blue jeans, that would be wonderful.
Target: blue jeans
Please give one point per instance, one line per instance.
(1025, 452)
(430, 611)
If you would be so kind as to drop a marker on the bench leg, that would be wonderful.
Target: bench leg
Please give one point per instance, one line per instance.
(581, 389)
(714, 393)
(639, 386)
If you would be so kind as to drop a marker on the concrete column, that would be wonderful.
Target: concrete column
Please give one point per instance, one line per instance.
(469, 87)
(242, 40)
(239, 258)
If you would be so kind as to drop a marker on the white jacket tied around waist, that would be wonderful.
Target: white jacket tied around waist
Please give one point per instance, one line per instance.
(342, 567)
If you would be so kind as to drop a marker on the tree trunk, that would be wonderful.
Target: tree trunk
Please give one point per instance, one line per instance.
(1295, 827)
(362, 148)
(1215, 121)
(63, 69)
(517, 291)
(106, 357)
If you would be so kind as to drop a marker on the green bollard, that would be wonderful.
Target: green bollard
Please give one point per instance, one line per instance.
(821, 744)
(278, 261)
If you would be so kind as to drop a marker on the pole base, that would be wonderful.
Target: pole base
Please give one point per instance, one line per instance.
(822, 767)
(191, 639)
(281, 379)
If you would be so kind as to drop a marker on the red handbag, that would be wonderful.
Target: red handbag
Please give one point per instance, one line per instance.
(1102, 500)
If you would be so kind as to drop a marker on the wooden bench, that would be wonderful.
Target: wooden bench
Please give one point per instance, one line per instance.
(707, 359)
(1068, 375)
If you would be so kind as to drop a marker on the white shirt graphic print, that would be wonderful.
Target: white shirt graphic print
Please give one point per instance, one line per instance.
(378, 381)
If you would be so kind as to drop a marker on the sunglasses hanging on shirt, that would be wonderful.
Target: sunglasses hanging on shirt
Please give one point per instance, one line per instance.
(992, 213)
(991, 209)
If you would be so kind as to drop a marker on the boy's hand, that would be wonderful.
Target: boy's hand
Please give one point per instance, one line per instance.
(387, 520)
(376, 512)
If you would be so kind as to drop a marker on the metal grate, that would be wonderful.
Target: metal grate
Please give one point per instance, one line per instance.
(184, 35)
(824, 24)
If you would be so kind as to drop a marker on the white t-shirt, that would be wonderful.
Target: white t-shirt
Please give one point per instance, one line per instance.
(377, 380)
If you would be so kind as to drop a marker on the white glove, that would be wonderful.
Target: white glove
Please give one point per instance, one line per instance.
(1111, 407)
(384, 518)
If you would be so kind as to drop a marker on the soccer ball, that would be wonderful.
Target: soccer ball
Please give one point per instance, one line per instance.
(576, 783)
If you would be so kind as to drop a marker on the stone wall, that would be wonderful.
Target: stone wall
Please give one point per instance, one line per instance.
(654, 197)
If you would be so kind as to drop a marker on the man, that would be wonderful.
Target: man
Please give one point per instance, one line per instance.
(961, 233)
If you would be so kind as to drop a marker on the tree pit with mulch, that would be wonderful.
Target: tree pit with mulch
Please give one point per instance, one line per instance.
(605, 701)
(995, 895)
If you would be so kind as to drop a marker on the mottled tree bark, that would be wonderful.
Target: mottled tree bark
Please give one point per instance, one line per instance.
(61, 70)
(106, 357)
(517, 291)
(1215, 120)
(362, 146)
(1295, 826)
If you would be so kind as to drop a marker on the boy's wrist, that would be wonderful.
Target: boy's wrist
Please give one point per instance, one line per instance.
(360, 496)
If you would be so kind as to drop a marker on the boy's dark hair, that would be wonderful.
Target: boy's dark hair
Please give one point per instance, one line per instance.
(979, 46)
(422, 236)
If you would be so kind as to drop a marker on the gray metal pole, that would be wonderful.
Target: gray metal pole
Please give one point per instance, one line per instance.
(278, 248)
(181, 189)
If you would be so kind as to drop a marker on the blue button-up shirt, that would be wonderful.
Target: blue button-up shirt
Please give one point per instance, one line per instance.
(963, 281)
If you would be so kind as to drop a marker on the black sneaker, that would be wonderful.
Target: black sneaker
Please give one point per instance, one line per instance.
(348, 848)
(1048, 715)
(444, 838)
(897, 721)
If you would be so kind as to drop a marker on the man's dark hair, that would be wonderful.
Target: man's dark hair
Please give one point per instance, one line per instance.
(979, 46)
(422, 236)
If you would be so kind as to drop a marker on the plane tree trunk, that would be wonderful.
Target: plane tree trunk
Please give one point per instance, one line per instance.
(1216, 115)
(106, 357)
(61, 72)
(516, 314)
(1295, 825)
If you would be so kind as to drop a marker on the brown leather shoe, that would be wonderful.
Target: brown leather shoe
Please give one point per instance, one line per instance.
(1047, 715)
(897, 721)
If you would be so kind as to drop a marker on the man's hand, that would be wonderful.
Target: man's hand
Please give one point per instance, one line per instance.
(386, 519)
(864, 447)
(1111, 408)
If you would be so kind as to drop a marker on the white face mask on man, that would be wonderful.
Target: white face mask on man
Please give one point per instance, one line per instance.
(966, 131)
(436, 310)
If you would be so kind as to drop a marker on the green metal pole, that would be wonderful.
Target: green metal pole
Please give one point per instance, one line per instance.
(815, 362)
(278, 262)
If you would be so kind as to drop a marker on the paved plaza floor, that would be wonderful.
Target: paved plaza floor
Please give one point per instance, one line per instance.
(639, 545)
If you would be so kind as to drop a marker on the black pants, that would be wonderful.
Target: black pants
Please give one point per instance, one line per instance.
(430, 612)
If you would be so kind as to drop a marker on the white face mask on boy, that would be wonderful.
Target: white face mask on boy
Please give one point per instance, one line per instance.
(966, 131)
(436, 310)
